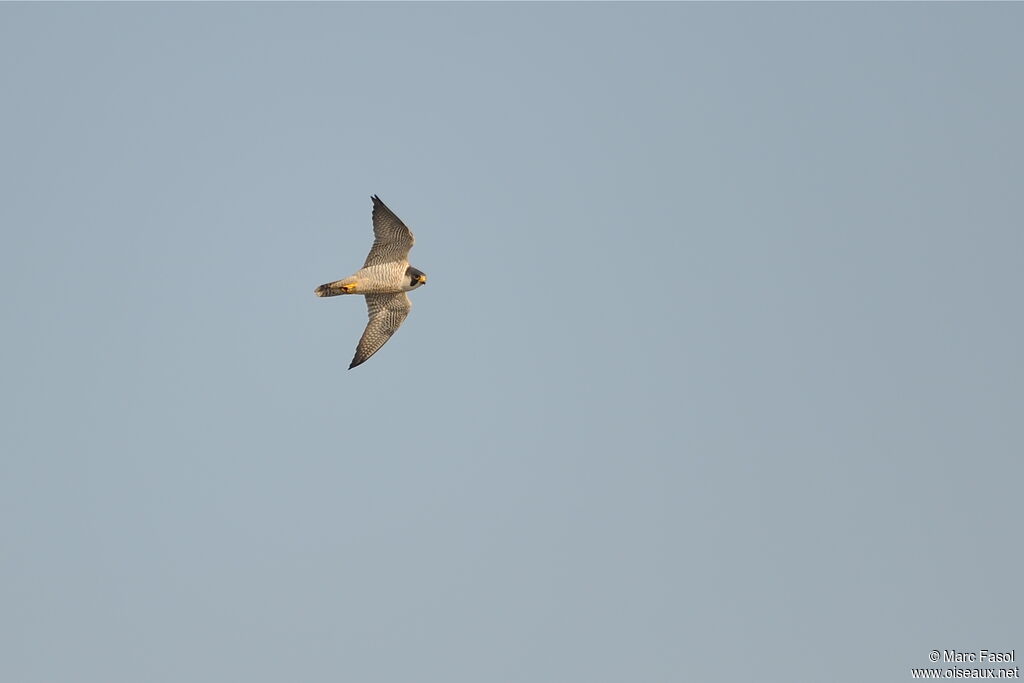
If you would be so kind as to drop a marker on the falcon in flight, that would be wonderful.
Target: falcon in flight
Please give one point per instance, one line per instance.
(383, 280)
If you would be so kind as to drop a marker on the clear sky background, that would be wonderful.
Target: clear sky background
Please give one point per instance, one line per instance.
(717, 375)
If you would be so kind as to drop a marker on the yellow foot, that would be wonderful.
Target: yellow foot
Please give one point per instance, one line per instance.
(348, 289)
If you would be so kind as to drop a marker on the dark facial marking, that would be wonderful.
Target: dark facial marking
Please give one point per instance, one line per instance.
(413, 274)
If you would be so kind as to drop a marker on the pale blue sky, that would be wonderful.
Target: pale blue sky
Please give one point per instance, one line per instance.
(717, 375)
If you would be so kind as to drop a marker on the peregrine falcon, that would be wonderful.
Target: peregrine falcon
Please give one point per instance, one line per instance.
(384, 279)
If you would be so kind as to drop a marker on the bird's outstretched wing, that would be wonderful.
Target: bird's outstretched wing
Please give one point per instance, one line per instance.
(391, 239)
(387, 312)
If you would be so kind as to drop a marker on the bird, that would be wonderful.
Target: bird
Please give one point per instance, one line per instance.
(383, 281)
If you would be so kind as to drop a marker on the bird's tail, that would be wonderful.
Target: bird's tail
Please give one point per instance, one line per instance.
(345, 286)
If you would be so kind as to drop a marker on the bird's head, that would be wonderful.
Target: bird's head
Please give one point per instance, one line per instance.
(416, 277)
